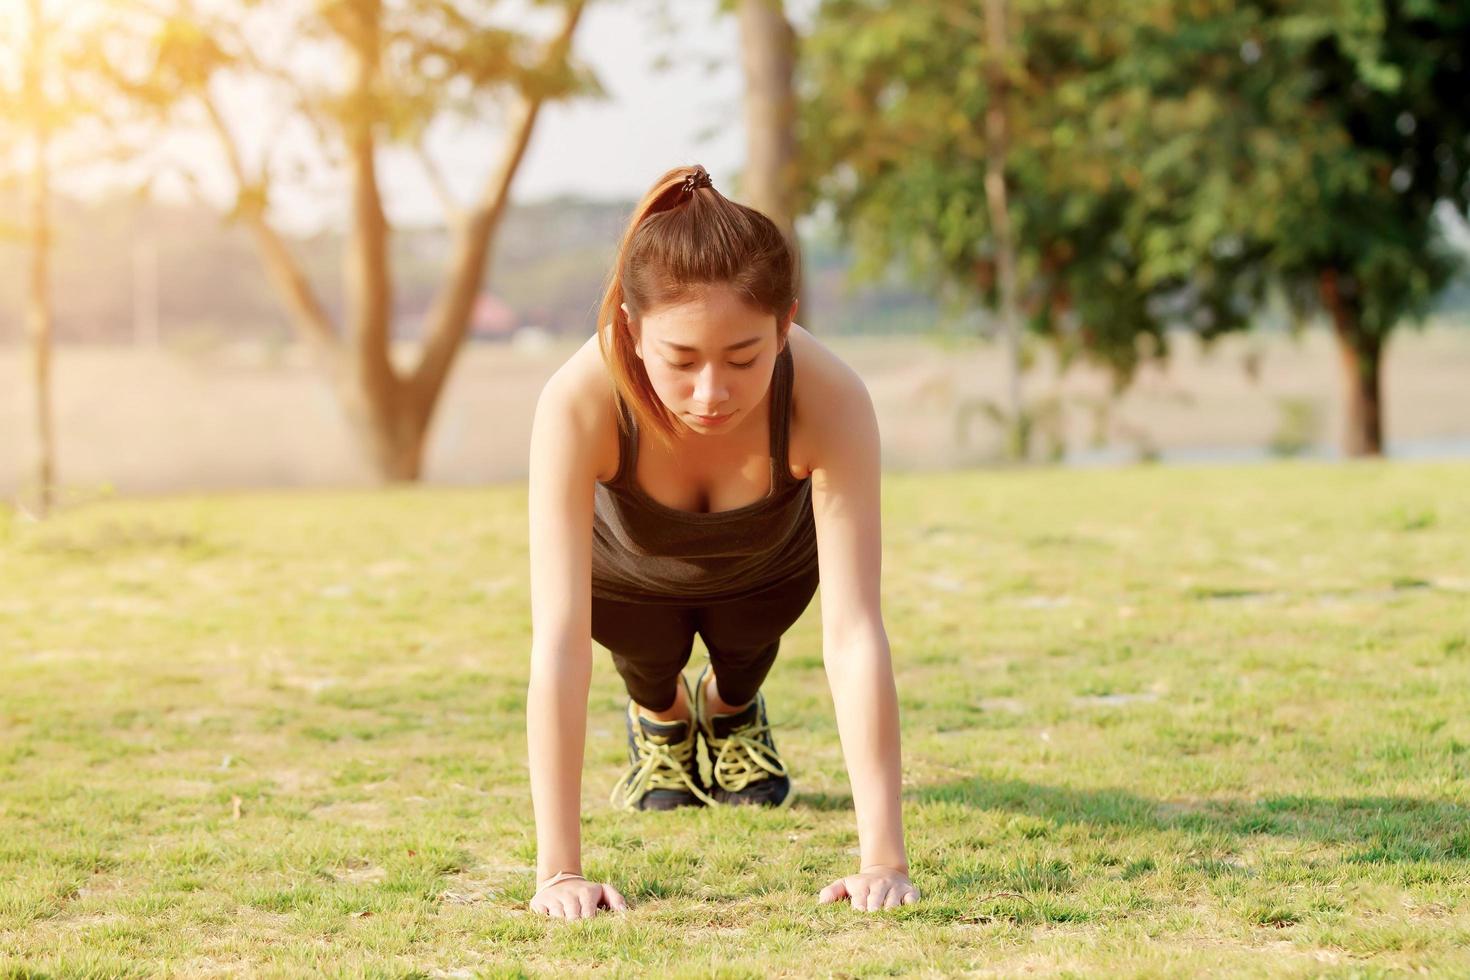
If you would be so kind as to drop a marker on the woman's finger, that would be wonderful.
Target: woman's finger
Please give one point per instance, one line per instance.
(588, 903)
(833, 892)
(614, 899)
(911, 897)
(893, 899)
(875, 896)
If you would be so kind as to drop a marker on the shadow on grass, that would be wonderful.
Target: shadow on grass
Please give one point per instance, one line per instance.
(1385, 829)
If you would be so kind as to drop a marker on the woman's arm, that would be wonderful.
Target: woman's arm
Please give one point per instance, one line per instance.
(845, 504)
(562, 478)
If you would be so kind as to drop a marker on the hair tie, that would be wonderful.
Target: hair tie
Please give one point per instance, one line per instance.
(700, 178)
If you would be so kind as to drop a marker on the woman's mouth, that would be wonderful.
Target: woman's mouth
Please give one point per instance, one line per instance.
(713, 419)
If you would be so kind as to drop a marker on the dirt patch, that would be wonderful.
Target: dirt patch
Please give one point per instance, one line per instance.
(359, 872)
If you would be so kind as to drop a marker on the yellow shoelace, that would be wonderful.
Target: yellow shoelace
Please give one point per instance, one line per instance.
(659, 766)
(742, 758)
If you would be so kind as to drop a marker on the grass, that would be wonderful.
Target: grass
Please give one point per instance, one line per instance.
(1156, 722)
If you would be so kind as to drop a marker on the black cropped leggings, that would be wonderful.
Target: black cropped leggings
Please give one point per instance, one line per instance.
(650, 644)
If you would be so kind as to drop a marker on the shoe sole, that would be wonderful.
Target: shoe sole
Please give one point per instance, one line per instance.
(785, 803)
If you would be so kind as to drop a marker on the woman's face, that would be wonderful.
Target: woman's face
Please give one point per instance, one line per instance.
(709, 358)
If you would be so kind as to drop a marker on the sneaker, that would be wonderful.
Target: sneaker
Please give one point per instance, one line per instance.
(744, 766)
(664, 771)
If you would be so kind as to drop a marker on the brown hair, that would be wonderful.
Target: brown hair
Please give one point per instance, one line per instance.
(684, 234)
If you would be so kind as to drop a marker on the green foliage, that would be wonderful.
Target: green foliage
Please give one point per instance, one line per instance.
(186, 55)
(1328, 136)
(1169, 161)
(895, 102)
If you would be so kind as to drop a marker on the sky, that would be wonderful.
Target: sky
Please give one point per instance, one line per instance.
(672, 99)
(673, 96)
(653, 119)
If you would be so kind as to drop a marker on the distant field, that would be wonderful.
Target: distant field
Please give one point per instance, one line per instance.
(1157, 721)
(144, 421)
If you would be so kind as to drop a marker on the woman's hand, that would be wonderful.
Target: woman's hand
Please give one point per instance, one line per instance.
(577, 898)
(875, 887)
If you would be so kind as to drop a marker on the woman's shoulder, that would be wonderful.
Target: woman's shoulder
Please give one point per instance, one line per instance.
(582, 391)
(818, 369)
(826, 391)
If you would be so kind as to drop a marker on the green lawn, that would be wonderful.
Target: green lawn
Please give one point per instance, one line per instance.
(1156, 721)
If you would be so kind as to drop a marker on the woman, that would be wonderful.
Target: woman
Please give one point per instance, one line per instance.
(695, 470)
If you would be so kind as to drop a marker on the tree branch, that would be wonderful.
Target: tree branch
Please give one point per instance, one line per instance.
(368, 277)
(448, 319)
(280, 265)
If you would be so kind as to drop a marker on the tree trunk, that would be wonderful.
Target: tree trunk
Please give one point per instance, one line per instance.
(38, 324)
(1361, 354)
(996, 149)
(768, 59)
(389, 411)
(38, 302)
(394, 446)
(374, 396)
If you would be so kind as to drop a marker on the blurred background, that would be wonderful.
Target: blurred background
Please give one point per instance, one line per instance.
(252, 243)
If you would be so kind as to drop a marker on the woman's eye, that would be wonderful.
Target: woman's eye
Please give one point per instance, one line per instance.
(736, 364)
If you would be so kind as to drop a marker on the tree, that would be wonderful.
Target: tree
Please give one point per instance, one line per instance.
(1358, 133)
(998, 56)
(768, 60)
(1307, 148)
(959, 143)
(1170, 163)
(397, 68)
(38, 105)
(38, 304)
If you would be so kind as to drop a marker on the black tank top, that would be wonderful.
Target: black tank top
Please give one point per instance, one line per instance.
(645, 551)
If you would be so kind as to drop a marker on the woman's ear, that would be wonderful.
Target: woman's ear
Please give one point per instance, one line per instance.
(784, 330)
(633, 331)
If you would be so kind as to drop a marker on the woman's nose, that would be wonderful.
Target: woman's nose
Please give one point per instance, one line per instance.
(709, 387)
